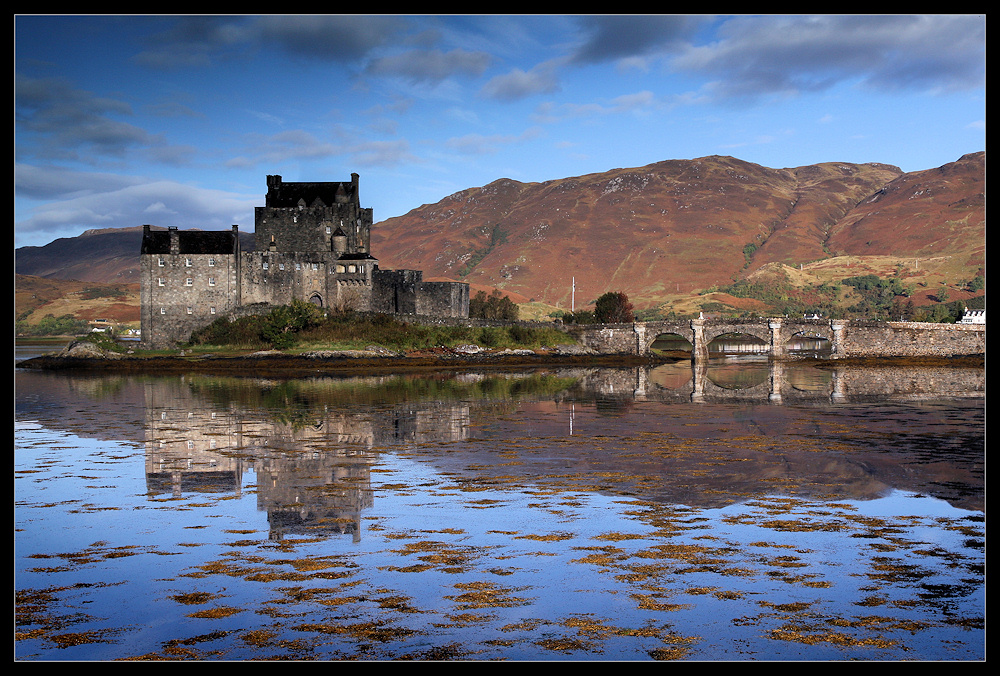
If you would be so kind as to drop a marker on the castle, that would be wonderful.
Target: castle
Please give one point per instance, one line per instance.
(311, 243)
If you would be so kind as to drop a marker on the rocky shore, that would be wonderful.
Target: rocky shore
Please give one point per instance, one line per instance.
(85, 356)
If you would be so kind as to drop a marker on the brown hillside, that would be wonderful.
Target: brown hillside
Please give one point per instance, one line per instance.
(36, 297)
(824, 195)
(677, 226)
(925, 213)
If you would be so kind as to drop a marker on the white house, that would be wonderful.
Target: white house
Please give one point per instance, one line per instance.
(973, 317)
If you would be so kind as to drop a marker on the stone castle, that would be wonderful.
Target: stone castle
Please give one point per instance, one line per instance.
(311, 244)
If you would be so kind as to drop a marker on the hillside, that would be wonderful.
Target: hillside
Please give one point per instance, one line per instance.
(37, 297)
(109, 256)
(671, 228)
(662, 233)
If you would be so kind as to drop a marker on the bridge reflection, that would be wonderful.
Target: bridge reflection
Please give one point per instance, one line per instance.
(758, 378)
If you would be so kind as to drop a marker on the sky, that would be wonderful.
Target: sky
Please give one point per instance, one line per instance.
(176, 120)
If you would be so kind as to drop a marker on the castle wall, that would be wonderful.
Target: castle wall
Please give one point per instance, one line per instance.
(395, 291)
(312, 228)
(443, 299)
(187, 282)
(188, 292)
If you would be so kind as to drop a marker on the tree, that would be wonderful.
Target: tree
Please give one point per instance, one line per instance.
(614, 308)
(495, 306)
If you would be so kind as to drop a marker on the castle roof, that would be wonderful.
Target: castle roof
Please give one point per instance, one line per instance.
(190, 241)
(282, 194)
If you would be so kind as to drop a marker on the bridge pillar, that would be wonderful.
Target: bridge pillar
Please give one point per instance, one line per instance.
(699, 377)
(777, 372)
(641, 380)
(698, 342)
(641, 347)
(777, 346)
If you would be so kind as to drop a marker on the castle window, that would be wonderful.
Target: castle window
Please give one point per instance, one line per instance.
(159, 281)
(190, 311)
(211, 262)
(160, 262)
(351, 268)
(340, 268)
(163, 310)
(188, 282)
(211, 281)
(281, 266)
(315, 266)
(298, 266)
(265, 265)
(212, 309)
(187, 262)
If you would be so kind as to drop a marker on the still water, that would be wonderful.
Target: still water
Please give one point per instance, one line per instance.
(737, 512)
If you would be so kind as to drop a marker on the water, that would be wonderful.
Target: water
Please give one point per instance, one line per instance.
(736, 513)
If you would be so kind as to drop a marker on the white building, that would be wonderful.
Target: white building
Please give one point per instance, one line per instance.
(973, 317)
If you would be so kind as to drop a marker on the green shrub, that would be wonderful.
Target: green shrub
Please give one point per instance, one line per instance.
(495, 306)
(302, 324)
(490, 336)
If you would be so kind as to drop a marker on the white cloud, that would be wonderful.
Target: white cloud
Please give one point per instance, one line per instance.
(128, 202)
(764, 55)
(518, 84)
(430, 66)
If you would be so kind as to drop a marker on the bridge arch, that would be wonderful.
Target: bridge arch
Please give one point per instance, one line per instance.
(808, 341)
(738, 342)
(760, 331)
(670, 342)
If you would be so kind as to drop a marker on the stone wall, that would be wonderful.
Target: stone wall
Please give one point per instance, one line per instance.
(443, 299)
(606, 338)
(311, 244)
(279, 278)
(312, 228)
(911, 339)
(395, 291)
(182, 293)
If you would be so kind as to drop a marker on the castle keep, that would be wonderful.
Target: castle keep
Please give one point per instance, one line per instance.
(311, 243)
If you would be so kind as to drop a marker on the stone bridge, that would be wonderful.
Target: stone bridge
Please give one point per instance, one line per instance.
(847, 338)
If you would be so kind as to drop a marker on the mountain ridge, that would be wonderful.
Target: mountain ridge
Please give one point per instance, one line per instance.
(659, 232)
(686, 224)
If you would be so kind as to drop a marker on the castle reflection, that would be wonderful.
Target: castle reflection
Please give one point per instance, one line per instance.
(312, 457)
(311, 444)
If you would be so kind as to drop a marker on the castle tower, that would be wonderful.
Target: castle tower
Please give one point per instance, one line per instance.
(302, 217)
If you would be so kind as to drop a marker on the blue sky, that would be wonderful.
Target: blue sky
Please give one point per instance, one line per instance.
(176, 120)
